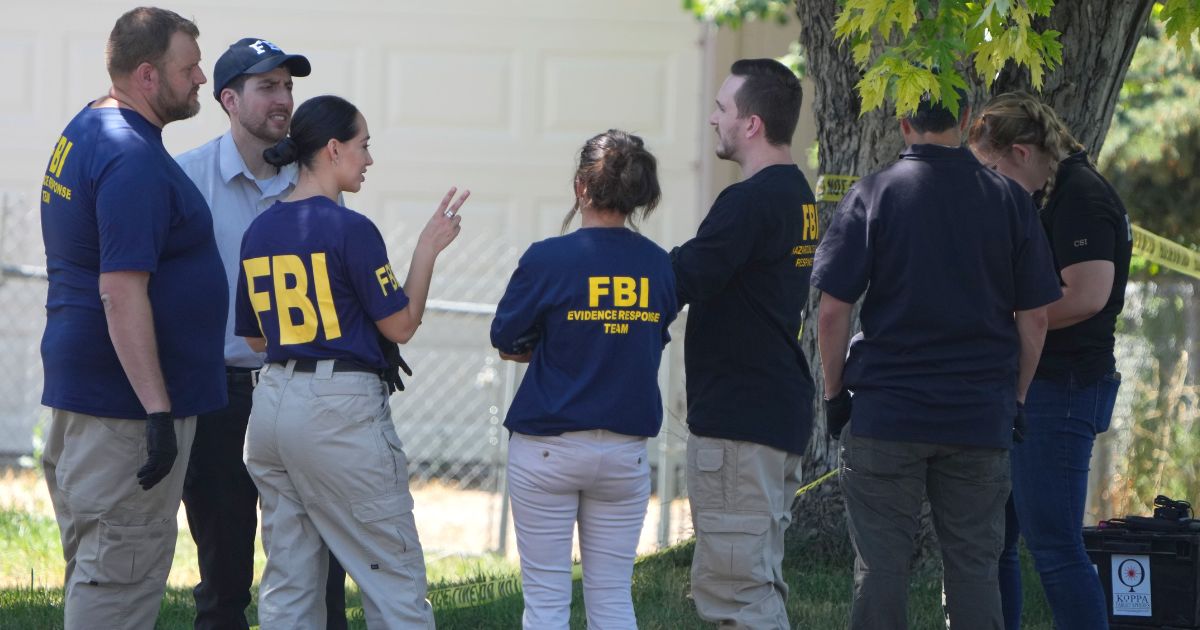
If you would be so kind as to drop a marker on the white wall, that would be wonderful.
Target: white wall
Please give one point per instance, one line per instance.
(494, 96)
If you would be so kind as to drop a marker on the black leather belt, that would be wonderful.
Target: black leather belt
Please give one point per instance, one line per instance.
(339, 365)
(235, 374)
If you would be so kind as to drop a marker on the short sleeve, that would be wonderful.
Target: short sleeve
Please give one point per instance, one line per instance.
(725, 241)
(1035, 278)
(245, 322)
(133, 213)
(1087, 229)
(522, 305)
(843, 261)
(369, 271)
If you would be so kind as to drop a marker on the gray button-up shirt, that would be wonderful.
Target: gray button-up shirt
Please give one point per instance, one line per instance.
(235, 198)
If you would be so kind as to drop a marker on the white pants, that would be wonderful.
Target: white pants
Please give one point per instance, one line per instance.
(600, 479)
(330, 470)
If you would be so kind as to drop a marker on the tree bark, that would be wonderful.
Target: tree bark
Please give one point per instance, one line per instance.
(1099, 38)
(847, 144)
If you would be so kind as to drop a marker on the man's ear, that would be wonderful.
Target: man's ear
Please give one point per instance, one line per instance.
(905, 126)
(755, 126)
(229, 99)
(145, 77)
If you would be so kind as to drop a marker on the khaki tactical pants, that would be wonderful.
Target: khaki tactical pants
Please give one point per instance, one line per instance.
(118, 540)
(741, 496)
(332, 476)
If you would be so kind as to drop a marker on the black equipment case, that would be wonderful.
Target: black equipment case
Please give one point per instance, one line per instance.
(1150, 577)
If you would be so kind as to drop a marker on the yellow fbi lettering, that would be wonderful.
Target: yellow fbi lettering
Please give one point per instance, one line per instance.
(625, 291)
(387, 279)
(57, 161)
(811, 227)
(61, 150)
(298, 317)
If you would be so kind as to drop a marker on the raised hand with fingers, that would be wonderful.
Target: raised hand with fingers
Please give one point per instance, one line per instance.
(444, 226)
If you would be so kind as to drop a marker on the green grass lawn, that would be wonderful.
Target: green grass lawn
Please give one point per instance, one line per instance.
(820, 589)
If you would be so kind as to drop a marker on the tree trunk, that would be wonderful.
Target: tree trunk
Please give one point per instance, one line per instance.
(1099, 38)
(847, 145)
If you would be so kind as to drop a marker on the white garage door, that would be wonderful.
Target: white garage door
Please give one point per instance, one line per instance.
(494, 96)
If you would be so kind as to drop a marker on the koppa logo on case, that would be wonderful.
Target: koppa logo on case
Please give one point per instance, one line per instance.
(1131, 586)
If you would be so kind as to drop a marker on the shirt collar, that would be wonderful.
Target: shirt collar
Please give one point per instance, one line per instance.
(936, 151)
(232, 164)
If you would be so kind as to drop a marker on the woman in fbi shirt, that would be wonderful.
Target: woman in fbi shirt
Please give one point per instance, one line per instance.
(601, 299)
(315, 292)
(1075, 387)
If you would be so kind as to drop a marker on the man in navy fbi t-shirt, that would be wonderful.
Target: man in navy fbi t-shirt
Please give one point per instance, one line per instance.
(115, 201)
(134, 319)
(946, 252)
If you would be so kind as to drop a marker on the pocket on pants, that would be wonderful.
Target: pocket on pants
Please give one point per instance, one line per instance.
(129, 554)
(395, 456)
(1106, 400)
(706, 479)
(350, 399)
(731, 548)
(387, 525)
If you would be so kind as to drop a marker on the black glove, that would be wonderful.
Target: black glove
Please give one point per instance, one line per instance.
(161, 447)
(525, 342)
(395, 362)
(837, 413)
(1019, 424)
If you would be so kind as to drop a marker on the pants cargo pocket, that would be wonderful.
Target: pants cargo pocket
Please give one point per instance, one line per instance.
(706, 479)
(731, 549)
(129, 554)
(388, 531)
(394, 454)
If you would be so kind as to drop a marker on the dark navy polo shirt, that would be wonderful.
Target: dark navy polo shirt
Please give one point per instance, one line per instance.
(313, 281)
(946, 250)
(114, 200)
(602, 299)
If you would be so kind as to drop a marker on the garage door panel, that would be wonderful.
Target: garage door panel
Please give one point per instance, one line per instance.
(19, 59)
(439, 90)
(85, 75)
(584, 93)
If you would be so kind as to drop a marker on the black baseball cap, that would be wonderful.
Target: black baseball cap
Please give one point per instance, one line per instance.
(251, 55)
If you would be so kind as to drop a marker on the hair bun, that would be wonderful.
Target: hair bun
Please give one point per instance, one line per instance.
(283, 153)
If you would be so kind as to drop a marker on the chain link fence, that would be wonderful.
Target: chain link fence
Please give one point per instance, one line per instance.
(450, 416)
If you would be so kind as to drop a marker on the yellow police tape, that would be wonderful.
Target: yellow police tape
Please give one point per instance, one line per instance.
(833, 187)
(820, 480)
(468, 595)
(1152, 247)
(1166, 253)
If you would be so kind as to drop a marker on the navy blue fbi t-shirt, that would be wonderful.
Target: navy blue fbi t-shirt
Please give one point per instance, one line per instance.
(746, 276)
(314, 279)
(113, 200)
(946, 250)
(602, 299)
(1086, 220)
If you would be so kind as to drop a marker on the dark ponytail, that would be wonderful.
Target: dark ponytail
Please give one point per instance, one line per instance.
(317, 121)
(619, 174)
(283, 153)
